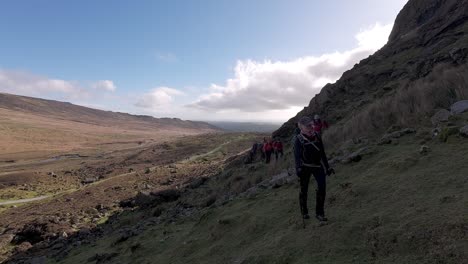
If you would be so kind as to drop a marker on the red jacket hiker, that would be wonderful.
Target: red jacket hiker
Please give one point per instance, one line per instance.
(267, 146)
(319, 125)
(278, 145)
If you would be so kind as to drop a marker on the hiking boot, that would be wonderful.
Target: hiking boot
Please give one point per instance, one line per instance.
(306, 216)
(321, 218)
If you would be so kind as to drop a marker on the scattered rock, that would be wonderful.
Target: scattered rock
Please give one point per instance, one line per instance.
(23, 247)
(440, 116)
(459, 107)
(88, 180)
(280, 180)
(424, 149)
(387, 138)
(464, 131)
(355, 156)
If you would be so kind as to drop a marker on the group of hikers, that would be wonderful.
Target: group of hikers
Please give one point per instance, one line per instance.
(267, 148)
(310, 160)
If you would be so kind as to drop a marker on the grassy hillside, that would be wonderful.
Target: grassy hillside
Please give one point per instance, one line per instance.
(394, 206)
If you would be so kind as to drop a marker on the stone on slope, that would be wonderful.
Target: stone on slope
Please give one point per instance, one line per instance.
(464, 131)
(459, 107)
(440, 116)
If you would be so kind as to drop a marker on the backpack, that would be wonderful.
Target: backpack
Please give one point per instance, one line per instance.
(311, 154)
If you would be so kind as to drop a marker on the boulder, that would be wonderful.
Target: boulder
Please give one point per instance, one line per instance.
(281, 179)
(88, 180)
(440, 116)
(424, 149)
(459, 107)
(464, 131)
(387, 138)
(23, 247)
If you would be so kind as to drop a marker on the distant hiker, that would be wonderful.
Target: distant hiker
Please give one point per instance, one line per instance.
(268, 149)
(310, 158)
(297, 130)
(278, 147)
(319, 124)
(262, 149)
(253, 151)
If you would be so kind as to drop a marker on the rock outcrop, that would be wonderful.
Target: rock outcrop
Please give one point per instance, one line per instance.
(421, 69)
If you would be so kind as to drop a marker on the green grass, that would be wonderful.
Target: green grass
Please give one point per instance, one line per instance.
(395, 206)
(14, 193)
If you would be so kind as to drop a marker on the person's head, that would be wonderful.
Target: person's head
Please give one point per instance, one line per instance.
(306, 125)
(316, 117)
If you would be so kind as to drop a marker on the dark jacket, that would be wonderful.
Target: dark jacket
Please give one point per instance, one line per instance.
(309, 152)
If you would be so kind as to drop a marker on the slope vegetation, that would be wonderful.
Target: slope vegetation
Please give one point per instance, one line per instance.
(397, 205)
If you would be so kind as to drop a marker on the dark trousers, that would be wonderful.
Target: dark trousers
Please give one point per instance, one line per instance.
(320, 178)
(268, 156)
(278, 152)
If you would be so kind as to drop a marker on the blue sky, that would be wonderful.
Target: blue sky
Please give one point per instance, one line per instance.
(200, 60)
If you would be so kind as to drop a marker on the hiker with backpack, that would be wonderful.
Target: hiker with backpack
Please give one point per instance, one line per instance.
(267, 149)
(319, 124)
(278, 147)
(310, 159)
(252, 153)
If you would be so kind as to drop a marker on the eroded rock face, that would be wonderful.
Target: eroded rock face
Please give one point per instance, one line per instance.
(425, 19)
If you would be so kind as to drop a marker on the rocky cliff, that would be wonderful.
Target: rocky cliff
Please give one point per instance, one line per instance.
(421, 69)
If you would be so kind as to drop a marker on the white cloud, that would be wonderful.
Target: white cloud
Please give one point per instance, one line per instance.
(374, 37)
(277, 85)
(24, 83)
(158, 99)
(104, 85)
(30, 84)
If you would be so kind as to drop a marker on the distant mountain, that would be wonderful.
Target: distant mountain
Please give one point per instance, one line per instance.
(75, 113)
(35, 125)
(246, 126)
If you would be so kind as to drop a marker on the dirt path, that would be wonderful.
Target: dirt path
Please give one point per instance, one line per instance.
(25, 200)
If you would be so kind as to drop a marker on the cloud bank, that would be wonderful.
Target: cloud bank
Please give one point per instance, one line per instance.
(277, 85)
(159, 99)
(29, 84)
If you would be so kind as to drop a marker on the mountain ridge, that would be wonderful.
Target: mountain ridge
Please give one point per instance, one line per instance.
(68, 111)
